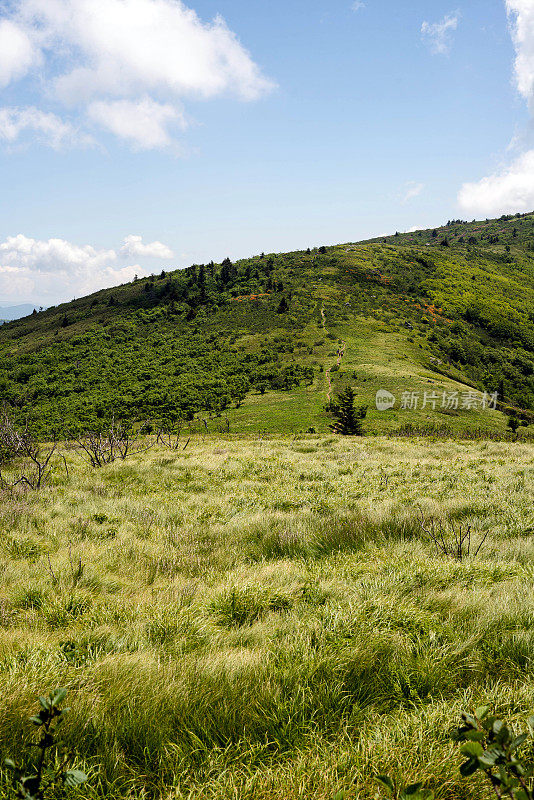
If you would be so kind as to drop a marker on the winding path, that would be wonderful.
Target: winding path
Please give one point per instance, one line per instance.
(340, 354)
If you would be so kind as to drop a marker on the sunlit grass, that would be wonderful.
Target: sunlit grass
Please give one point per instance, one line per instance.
(266, 619)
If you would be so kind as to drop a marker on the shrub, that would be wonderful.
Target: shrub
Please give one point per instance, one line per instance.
(488, 746)
(41, 775)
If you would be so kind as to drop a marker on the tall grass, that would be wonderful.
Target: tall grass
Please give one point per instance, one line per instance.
(268, 620)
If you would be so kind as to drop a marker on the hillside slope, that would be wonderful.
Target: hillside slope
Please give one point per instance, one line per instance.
(261, 344)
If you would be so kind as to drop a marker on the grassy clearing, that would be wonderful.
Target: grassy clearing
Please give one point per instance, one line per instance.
(265, 619)
(378, 355)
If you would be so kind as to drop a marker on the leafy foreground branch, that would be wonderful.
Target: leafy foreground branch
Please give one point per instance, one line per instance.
(490, 747)
(46, 775)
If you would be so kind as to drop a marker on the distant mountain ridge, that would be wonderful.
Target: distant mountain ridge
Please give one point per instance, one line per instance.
(9, 313)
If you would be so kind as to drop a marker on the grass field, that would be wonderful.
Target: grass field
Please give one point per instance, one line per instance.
(377, 356)
(266, 618)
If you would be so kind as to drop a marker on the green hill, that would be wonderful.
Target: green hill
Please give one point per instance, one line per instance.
(261, 344)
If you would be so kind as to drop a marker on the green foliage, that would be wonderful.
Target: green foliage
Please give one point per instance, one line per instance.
(413, 791)
(283, 306)
(46, 775)
(489, 746)
(143, 364)
(201, 340)
(513, 424)
(348, 417)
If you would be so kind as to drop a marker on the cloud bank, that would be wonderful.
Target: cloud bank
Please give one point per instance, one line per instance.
(44, 270)
(511, 188)
(125, 66)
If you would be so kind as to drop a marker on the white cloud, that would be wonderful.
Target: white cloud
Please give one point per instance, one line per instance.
(52, 254)
(128, 45)
(521, 13)
(145, 123)
(48, 128)
(128, 65)
(414, 228)
(134, 247)
(510, 189)
(357, 5)
(437, 35)
(55, 268)
(411, 189)
(17, 52)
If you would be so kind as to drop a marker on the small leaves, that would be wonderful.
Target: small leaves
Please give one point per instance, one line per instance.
(35, 784)
(472, 749)
(57, 696)
(416, 794)
(413, 789)
(518, 741)
(489, 746)
(412, 792)
(386, 781)
(75, 777)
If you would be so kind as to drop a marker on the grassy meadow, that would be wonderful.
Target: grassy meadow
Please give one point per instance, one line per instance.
(266, 618)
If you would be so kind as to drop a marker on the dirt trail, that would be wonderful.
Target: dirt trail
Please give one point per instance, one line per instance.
(340, 354)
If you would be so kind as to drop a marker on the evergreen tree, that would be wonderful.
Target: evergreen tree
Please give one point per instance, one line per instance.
(513, 424)
(348, 417)
(227, 271)
(283, 306)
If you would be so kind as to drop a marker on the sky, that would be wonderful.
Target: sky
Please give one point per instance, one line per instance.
(137, 135)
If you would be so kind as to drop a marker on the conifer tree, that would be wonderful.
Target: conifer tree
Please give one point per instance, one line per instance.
(348, 417)
(283, 306)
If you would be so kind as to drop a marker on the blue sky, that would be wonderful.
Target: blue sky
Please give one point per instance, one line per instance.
(289, 125)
